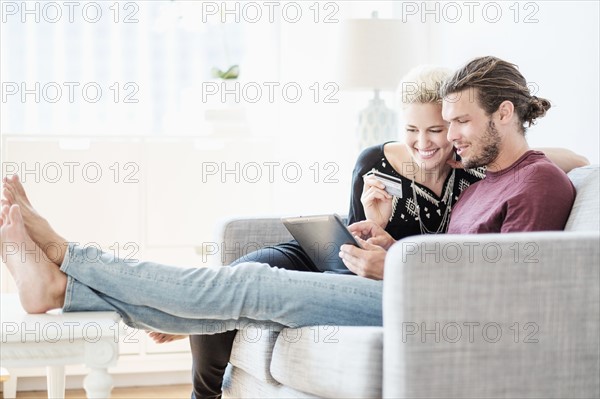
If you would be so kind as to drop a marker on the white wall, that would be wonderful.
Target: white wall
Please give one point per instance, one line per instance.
(554, 43)
(558, 54)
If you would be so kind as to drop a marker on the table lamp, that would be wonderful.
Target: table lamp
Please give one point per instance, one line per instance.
(372, 58)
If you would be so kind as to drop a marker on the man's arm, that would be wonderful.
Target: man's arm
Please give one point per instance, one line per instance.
(369, 261)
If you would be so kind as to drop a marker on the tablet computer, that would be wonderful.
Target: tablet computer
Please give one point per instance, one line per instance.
(321, 237)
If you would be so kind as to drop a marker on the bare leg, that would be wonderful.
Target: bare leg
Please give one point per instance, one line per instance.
(53, 245)
(40, 283)
(38, 228)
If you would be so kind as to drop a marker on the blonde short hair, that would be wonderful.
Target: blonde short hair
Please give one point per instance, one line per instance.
(421, 85)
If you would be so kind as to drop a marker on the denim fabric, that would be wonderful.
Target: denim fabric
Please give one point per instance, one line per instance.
(210, 353)
(172, 299)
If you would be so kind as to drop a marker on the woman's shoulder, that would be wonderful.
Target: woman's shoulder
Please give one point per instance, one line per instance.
(369, 157)
(386, 155)
(397, 155)
(371, 153)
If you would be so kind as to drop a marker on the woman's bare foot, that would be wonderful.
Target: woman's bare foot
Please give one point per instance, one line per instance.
(162, 338)
(38, 228)
(41, 285)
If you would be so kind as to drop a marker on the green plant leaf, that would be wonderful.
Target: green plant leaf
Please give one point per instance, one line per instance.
(232, 73)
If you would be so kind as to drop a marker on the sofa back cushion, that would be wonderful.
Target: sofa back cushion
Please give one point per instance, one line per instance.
(239, 237)
(585, 214)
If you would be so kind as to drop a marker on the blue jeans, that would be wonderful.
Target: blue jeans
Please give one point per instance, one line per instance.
(177, 300)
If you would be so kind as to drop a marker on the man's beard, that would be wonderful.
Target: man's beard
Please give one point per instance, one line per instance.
(490, 143)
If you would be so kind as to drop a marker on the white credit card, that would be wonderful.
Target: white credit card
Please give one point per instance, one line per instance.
(393, 185)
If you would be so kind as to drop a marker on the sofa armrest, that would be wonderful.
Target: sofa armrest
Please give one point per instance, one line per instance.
(242, 236)
(511, 315)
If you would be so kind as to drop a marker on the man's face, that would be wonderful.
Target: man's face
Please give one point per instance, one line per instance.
(473, 133)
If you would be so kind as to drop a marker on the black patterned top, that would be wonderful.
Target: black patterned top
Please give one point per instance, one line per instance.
(404, 221)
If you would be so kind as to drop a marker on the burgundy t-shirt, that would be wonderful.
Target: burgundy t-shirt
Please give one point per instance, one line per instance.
(533, 194)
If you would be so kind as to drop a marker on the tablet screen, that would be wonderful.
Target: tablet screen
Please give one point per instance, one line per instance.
(321, 237)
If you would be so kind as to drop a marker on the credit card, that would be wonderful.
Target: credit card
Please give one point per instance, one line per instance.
(393, 185)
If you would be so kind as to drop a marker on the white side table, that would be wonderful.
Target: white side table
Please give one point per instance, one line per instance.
(56, 339)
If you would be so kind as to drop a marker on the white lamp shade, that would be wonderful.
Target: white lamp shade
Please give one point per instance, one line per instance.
(372, 55)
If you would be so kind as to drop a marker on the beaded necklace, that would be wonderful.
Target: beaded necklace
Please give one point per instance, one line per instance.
(447, 198)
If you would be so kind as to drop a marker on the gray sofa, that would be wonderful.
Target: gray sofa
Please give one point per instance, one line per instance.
(481, 316)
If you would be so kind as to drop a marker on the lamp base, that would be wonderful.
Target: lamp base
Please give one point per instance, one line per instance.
(376, 124)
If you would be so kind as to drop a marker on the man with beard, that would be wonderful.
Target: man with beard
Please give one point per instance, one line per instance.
(487, 104)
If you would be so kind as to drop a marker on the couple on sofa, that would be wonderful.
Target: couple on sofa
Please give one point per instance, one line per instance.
(478, 113)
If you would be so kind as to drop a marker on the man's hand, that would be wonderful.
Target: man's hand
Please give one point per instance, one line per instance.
(373, 233)
(367, 262)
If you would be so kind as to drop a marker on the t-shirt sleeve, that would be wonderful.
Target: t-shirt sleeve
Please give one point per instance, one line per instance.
(545, 204)
(365, 162)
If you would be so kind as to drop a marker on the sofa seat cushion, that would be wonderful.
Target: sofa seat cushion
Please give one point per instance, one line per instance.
(252, 351)
(240, 384)
(585, 214)
(330, 361)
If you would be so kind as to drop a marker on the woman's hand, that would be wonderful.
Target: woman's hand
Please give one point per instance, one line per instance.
(565, 159)
(366, 262)
(455, 164)
(162, 338)
(376, 202)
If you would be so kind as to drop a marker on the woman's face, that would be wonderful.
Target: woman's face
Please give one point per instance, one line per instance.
(425, 135)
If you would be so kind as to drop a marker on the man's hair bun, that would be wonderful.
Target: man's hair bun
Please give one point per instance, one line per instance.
(536, 109)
